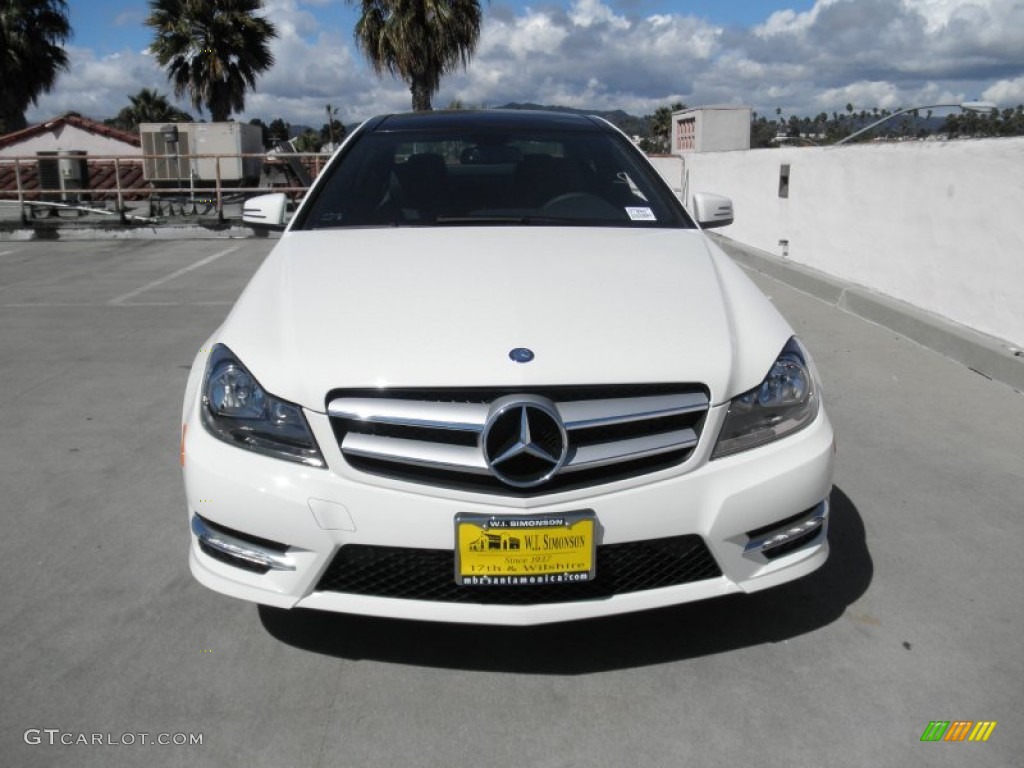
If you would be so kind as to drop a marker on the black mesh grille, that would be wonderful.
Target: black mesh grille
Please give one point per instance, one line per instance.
(429, 574)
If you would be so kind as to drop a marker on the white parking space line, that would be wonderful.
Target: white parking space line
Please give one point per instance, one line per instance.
(173, 304)
(66, 304)
(34, 304)
(167, 278)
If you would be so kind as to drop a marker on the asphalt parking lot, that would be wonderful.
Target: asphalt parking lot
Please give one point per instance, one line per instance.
(918, 616)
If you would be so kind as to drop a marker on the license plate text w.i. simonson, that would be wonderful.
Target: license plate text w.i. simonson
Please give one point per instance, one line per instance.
(536, 549)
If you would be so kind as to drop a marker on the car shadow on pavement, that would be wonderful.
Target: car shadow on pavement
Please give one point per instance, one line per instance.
(595, 645)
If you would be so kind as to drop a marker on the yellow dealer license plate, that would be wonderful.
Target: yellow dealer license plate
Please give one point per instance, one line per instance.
(493, 550)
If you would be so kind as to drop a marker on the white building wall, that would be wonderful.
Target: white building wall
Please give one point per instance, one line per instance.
(671, 169)
(710, 129)
(935, 224)
(66, 136)
(725, 129)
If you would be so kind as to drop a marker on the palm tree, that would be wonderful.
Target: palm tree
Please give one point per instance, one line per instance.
(333, 130)
(332, 114)
(421, 41)
(212, 49)
(279, 130)
(308, 141)
(661, 126)
(32, 55)
(148, 106)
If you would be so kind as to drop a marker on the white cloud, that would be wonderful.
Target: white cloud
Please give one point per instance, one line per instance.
(593, 54)
(939, 14)
(788, 21)
(876, 94)
(1006, 93)
(289, 18)
(586, 57)
(98, 86)
(678, 37)
(587, 13)
(533, 34)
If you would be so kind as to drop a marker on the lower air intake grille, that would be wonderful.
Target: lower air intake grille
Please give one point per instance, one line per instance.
(429, 574)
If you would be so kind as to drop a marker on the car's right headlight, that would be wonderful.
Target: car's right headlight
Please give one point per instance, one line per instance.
(237, 410)
(786, 401)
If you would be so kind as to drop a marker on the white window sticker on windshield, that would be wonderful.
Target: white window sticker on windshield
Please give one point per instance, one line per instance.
(640, 214)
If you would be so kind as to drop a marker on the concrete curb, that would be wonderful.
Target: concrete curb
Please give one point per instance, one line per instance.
(991, 357)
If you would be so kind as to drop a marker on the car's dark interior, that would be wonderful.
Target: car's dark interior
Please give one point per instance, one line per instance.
(577, 179)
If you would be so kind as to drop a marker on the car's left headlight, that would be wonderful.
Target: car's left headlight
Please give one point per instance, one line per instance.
(237, 410)
(787, 400)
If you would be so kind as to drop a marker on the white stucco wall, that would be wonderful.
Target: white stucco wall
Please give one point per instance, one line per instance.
(939, 225)
(671, 169)
(70, 137)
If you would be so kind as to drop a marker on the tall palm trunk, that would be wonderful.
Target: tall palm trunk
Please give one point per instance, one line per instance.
(420, 96)
(220, 102)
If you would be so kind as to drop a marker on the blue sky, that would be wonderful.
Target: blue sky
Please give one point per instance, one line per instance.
(110, 25)
(801, 56)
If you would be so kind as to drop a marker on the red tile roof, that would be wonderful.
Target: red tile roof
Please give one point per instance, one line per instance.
(78, 121)
(102, 182)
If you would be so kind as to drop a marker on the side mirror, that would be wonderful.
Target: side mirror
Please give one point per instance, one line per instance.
(712, 210)
(266, 210)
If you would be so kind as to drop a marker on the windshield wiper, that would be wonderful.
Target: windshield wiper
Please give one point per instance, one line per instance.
(519, 220)
(482, 220)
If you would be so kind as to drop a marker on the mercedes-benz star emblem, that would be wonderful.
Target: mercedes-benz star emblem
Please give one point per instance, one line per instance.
(521, 355)
(524, 440)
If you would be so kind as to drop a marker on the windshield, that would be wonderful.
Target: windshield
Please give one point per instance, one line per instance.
(496, 177)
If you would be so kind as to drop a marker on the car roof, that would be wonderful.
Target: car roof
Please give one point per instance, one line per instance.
(493, 119)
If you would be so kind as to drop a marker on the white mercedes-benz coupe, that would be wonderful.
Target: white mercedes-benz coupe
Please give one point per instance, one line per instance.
(494, 372)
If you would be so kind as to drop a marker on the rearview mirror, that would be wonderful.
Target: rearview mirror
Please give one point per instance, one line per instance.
(712, 210)
(266, 210)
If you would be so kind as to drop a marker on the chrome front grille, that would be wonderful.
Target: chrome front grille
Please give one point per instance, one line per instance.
(457, 438)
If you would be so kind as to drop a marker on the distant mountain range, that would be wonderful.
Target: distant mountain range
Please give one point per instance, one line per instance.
(632, 125)
(629, 124)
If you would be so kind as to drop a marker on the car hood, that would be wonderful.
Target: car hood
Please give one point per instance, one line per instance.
(443, 307)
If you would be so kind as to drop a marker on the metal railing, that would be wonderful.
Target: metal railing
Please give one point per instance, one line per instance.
(213, 193)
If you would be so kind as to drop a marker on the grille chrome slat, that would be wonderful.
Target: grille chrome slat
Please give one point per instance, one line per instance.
(468, 417)
(584, 414)
(603, 454)
(443, 437)
(417, 453)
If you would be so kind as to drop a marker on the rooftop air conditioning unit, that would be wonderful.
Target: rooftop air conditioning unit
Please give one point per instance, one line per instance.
(64, 172)
(177, 153)
(166, 150)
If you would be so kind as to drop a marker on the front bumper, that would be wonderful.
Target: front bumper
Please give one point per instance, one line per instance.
(762, 515)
